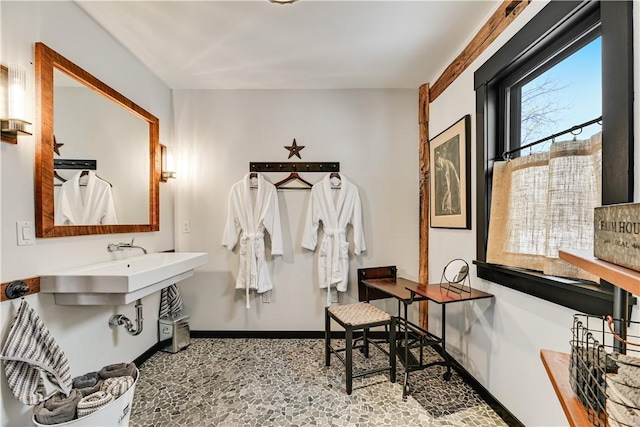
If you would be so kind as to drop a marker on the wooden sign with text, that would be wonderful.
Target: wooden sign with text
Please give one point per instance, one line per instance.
(617, 234)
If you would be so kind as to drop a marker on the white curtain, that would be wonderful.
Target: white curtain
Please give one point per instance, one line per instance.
(544, 202)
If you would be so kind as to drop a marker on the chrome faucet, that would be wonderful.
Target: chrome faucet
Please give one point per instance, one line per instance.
(113, 247)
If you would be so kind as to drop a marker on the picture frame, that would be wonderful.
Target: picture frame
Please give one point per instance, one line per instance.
(450, 167)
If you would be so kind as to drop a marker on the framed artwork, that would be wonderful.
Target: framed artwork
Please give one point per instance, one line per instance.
(450, 166)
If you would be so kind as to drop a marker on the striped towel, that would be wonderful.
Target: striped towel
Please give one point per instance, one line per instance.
(170, 302)
(30, 353)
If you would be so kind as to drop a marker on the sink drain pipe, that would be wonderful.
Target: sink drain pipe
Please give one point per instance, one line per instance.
(121, 319)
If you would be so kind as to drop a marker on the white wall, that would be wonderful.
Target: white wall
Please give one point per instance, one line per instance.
(500, 342)
(82, 332)
(374, 136)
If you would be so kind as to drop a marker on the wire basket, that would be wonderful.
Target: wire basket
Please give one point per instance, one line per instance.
(604, 370)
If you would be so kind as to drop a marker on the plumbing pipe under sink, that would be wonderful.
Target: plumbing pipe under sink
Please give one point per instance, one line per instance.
(121, 319)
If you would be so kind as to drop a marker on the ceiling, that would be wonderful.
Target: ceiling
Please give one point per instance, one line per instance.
(306, 45)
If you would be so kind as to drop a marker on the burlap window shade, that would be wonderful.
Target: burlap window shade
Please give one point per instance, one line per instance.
(544, 202)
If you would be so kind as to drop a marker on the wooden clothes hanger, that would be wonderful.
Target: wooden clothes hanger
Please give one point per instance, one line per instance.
(57, 176)
(294, 177)
(86, 172)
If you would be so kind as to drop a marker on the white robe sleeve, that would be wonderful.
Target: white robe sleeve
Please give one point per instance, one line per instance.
(272, 224)
(310, 234)
(359, 244)
(62, 209)
(232, 226)
(109, 215)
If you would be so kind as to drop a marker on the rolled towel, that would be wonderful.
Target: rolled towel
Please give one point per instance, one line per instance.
(87, 380)
(90, 390)
(118, 370)
(117, 386)
(58, 408)
(30, 353)
(90, 404)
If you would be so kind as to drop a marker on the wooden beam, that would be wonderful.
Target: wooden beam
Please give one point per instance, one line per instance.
(501, 18)
(33, 283)
(424, 177)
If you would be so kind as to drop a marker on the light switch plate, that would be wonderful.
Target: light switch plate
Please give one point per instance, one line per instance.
(25, 233)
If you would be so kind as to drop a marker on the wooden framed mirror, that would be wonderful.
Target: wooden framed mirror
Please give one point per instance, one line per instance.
(81, 118)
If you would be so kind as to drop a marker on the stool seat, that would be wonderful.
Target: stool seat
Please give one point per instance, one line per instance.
(359, 314)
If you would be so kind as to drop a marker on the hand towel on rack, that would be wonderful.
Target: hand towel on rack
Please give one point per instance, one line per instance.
(58, 408)
(170, 302)
(30, 353)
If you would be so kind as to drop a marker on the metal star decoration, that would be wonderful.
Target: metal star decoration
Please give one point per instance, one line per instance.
(294, 149)
(56, 146)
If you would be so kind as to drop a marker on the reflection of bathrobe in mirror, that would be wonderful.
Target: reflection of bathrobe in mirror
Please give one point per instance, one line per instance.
(95, 206)
(250, 221)
(335, 211)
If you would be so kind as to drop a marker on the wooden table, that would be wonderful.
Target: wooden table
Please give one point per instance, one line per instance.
(406, 292)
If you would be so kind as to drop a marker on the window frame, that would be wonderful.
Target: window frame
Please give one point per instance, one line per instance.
(556, 23)
(569, 43)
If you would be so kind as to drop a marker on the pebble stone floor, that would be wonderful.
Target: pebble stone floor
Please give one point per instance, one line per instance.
(283, 382)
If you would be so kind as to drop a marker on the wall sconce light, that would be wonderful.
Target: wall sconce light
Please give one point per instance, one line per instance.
(14, 89)
(283, 1)
(166, 159)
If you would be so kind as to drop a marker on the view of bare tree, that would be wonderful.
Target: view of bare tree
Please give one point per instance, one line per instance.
(542, 108)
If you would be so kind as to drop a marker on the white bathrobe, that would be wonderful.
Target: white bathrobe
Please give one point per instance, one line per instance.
(250, 221)
(94, 207)
(333, 256)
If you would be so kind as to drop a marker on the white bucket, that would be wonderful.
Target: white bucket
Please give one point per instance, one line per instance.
(114, 414)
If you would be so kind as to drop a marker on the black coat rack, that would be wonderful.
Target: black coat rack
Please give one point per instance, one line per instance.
(294, 167)
(75, 164)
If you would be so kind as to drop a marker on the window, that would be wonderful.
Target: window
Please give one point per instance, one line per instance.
(561, 33)
(557, 96)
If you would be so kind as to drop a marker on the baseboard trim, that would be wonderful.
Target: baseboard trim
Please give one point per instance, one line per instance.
(138, 361)
(278, 334)
(503, 412)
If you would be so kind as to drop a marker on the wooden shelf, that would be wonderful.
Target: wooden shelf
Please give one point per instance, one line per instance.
(557, 366)
(625, 278)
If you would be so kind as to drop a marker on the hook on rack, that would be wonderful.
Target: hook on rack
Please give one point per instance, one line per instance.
(16, 289)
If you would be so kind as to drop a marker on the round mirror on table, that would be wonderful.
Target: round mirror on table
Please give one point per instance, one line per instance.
(455, 276)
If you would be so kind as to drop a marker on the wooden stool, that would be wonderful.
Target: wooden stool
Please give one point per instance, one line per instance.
(354, 317)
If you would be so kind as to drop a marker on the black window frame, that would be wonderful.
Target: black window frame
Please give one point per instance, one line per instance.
(510, 88)
(558, 22)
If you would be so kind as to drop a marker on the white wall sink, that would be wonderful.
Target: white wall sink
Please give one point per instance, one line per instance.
(121, 281)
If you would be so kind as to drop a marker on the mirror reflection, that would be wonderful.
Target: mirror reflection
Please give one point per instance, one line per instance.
(456, 271)
(111, 187)
(97, 155)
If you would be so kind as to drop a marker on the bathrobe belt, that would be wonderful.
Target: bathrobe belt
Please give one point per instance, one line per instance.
(253, 243)
(333, 269)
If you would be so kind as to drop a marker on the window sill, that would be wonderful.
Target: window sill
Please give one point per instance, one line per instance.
(580, 296)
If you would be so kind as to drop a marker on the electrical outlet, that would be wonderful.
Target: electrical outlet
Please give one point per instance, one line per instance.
(186, 226)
